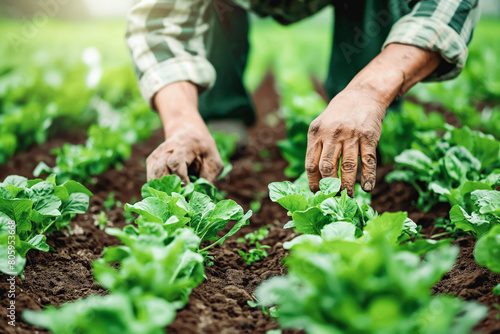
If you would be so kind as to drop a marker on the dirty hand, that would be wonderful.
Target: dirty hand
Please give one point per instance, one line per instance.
(189, 147)
(351, 124)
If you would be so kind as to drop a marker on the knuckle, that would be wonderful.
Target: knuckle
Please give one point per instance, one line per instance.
(314, 127)
(327, 168)
(337, 133)
(370, 160)
(311, 168)
(371, 136)
(348, 166)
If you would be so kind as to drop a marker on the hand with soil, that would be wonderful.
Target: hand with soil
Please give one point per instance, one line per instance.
(349, 127)
(189, 148)
(351, 124)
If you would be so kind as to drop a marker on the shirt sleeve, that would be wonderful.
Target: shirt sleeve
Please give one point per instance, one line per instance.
(443, 26)
(166, 41)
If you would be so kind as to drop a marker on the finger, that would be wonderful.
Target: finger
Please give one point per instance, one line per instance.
(156, 165)
(178, 163)
(211, 169)
(329, 161)
(349, 166)
(312, 165)
(368, 153)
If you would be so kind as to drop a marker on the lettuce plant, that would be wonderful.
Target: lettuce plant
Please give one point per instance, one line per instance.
(340, 283)
(32, 209)
(487, 252)
(450, 168)
(484, 216)
(159, 263)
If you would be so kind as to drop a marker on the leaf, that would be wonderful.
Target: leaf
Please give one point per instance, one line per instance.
(151, 208)
(15, 180)
(387, 227)
(76, 203)
(473, 222)
(5, 267)
(278, 190)
(245, 220)
(487, 250)
(293, 202)
(329, 186)
(44, 200)
(310, 221)
(488, 201)
(415, 159)
(18, 210)
(339, 231)
(168, 184)
(75, 187)
(226, 210)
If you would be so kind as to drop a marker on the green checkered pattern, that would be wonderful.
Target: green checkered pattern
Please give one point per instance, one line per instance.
(167, 41)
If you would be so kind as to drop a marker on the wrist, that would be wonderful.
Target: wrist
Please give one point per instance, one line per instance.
(394, 71)
(177, 105)
(383, 85)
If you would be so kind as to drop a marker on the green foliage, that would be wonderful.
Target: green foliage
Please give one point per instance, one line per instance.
(487, 250)
(478, 83)
(32, 209)
(56, 82)
(485, 213)
(400, 128)
(448, 169)
(311, 212)
(152, 262)
(117, 313)
(255, 254)
(300, 106)
(106, 145)
(255, 236)
(226, 145)
(159, 263)
(338, 282)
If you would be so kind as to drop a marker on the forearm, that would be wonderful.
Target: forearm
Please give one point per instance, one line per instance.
(177, 104)
(394, 71)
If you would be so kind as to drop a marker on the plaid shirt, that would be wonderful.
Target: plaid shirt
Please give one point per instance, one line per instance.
(166, 37)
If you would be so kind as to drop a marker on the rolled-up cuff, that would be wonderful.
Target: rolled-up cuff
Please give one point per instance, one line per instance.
(197, 70)
(431, 34)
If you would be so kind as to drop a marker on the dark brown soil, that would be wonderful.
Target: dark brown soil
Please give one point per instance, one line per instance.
(219, 305)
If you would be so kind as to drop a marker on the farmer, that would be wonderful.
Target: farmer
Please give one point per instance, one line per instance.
(381, 48)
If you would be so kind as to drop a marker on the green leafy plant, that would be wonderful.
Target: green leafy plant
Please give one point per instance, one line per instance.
(255, 236)
(200, 212)
(400, 128)
(160, 262)
(339, 283)
(32, 209)
(448, 169)
(300, 106)
(311, 213)
(255, 254)
(484, 216)
(487, 251)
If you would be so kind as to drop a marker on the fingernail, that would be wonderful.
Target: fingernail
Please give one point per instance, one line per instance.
(368, 186)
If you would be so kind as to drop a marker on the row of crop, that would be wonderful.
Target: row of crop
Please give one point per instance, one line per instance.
(30, 210)
(461, 168)
(161, 260)
(51, 92)
(355, 271)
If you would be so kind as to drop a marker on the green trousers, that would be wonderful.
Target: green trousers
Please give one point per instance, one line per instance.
(359, 31)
